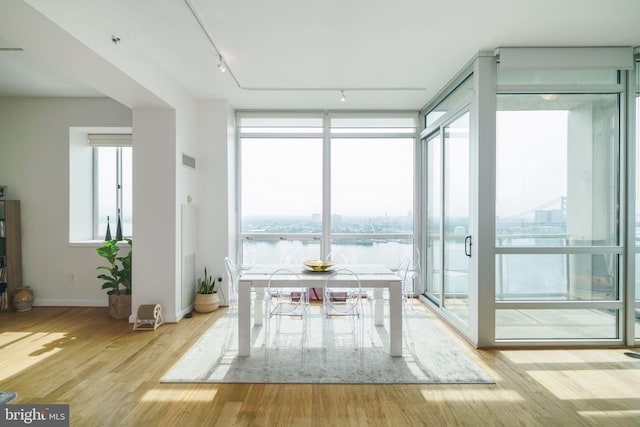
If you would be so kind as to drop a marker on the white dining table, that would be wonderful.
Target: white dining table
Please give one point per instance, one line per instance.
(375, 276)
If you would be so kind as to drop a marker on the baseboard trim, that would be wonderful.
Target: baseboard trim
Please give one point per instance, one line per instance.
(52, 302)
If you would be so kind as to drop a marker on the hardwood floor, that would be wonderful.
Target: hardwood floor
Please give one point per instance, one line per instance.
(110, 376)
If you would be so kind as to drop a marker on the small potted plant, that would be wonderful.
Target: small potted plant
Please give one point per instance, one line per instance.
(117, 282)
(207, 299)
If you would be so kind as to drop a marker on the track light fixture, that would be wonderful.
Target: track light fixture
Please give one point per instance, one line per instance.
(221, 65)
(342, 97)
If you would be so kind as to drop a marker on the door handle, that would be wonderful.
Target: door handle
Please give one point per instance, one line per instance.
(467, 245)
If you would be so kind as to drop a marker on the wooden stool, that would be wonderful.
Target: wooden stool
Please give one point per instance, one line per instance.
(149, 317)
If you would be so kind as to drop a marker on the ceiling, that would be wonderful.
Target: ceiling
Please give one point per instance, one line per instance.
(299, 54)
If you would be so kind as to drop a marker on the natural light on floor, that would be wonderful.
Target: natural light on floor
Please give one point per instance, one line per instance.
(21, 350)
(177, 394)
(559, 356)
(596, 416)
(439, 394)
(576, 384)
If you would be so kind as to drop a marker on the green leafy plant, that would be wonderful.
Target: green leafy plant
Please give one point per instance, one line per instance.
(207, 284)
(118, 280)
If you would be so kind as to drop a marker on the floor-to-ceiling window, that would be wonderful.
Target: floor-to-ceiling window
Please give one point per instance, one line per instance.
(547, 155)
(637, 206)
(446, 166)
(318, 185)
(281, 181)
(557, 216)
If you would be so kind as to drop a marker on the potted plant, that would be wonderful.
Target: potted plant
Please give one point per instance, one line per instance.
(117, 282)
(207, 299)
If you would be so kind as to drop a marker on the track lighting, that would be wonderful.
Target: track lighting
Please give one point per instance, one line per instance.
(222, 66)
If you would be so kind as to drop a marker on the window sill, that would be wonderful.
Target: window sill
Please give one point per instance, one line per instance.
(91, 243)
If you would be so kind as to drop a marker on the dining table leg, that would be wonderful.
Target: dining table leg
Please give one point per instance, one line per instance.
(378, 307)
(244, 320)
(258, 309)
(395, 319)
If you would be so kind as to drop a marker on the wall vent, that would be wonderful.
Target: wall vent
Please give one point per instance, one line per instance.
(189, 161)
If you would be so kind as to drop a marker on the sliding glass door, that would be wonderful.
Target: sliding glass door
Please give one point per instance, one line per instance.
(433, 168)
(448, 238)
(457, 239)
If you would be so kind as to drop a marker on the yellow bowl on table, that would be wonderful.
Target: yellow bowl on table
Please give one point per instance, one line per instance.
(318, 264)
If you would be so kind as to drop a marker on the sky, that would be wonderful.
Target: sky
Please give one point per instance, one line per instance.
(370, 177)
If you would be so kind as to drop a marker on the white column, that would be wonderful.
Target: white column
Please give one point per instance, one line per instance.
(154, 203)
(215, 165)
(483, 202)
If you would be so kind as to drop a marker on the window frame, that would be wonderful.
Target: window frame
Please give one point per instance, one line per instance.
(96, 187)
(327, 133)
(618, 250)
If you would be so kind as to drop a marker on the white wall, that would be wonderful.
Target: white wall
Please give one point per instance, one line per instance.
(34, 165)
(216, 197)
(166, 125)
(155, 230)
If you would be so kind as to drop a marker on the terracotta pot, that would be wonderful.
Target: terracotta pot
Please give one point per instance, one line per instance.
(206, 303)
(120, 306)
(23, 298)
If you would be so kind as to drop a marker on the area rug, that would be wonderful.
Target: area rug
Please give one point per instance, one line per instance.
(7, 396)
(428, 355)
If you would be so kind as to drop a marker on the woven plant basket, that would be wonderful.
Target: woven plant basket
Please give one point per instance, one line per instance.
(206, 303)
(120, 306)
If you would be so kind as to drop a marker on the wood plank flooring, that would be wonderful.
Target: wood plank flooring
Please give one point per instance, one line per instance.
(110, 376)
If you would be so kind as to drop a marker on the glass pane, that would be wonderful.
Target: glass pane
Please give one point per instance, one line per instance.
(373, 125)
(278, 251)
(281, 185)
(384, 122)
(371, 251)
(127, 191)
(637, 278)
(637, 310)
(557, 324)
(107, 187)
(557, 170)
(396, 131)
(556, 277)
(284, 121)
(434, 217)
(454, 99)
(638, 192)
(456, 217)
(372, 185)
(546, 77)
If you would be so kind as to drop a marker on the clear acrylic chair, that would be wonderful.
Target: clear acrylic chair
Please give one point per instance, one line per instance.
(340, 302)
(403, 271)
(232, 277)
(411, 276)
(408, 270)
(339, 257)
(232, 299)
(285, 301)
